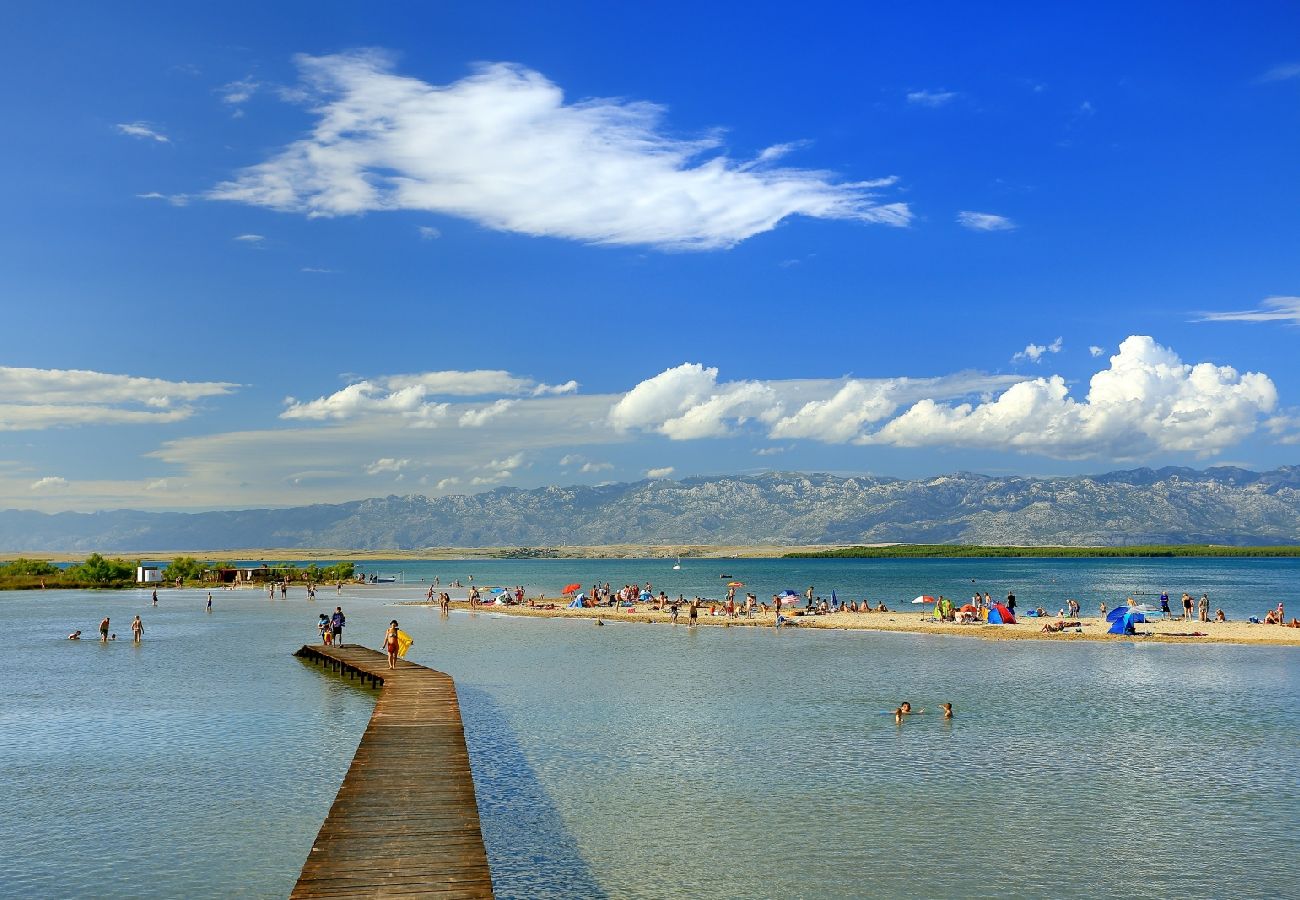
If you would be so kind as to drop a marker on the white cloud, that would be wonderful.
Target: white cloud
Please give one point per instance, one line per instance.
(316, 270)
(429, 233)
(1282, 72)
(932, 99)
(410, 396)
(1273, 309)
(663, 472)
(769, 451)
(1095, 351)
(447, 483)
(143, 130)
(1035, 352)
(387, 464)
(501, 148)
(477, 418)
(250, 238)
(33, 399)
(1147, 401)
(50, 483)
(978, 221)
(688, 402)
(237, 93)
(173, 199)
(596, 467)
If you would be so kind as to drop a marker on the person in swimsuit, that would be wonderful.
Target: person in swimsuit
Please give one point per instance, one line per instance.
(103, 631)
(137, 629)
(947, 710)
(391, 644)
(75, 636)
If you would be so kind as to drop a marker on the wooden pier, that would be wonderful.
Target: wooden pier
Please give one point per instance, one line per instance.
(405, 821)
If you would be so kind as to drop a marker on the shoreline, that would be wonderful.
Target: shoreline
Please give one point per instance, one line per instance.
(802, 552)
(1094, 628)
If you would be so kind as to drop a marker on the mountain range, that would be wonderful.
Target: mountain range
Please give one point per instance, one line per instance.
(1222, 505)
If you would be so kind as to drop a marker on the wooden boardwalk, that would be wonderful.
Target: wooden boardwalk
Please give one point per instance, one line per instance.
(405, 822)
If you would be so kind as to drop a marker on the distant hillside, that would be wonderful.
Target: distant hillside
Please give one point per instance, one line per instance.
(1142, 506)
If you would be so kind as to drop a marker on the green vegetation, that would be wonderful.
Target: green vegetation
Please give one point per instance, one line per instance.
(186, 568)
(98, 572)
(967, 551)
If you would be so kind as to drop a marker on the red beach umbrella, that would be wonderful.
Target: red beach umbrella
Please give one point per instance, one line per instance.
(925, 598)
(735, 584)
(569, 589)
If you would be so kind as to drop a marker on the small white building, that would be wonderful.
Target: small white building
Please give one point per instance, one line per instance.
(148, 575)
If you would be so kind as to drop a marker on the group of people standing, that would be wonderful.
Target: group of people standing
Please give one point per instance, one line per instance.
(1191, 607)
(330, 627)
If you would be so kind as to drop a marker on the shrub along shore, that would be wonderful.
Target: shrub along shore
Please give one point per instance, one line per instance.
(97, 571)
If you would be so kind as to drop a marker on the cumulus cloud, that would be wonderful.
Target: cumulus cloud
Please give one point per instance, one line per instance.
(411, 396)
(978, 221)
(387, 464)
(33, 399)
(688, 402)
(502, 148)
(663, 472)
(428, 233)
(497, 470)
(932, 99)
(1273, 309)
(142, 130)
(49, 483)
(447, 483)
(1095, 351)
(1035, 352)
(596, 467)
(1147, 401)
(477, 418)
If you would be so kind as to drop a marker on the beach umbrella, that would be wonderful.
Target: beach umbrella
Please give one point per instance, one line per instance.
(569, 589)
(735, 584)
(834, 598)
(787, 598)
(924, 598)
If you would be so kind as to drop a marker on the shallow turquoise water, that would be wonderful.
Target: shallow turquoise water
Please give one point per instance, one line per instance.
(650, 761)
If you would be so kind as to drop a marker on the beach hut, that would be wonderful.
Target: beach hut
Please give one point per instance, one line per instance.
(1000, 615)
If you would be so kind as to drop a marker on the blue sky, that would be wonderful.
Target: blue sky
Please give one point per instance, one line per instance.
(317, 252)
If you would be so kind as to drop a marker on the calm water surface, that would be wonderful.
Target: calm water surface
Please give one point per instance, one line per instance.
(649, 761)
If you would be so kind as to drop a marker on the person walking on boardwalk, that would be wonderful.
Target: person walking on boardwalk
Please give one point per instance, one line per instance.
(337, 621)
(392, 644)
(137, 629)
(103, 631)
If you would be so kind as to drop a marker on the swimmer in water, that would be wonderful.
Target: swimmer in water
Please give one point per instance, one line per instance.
(75, 636)
(906, 709)
(947, 710)
(898, 716)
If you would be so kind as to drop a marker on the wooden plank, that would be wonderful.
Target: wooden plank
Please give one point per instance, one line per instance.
(405, 820)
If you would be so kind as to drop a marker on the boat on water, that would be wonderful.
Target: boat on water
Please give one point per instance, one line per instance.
(679, 564)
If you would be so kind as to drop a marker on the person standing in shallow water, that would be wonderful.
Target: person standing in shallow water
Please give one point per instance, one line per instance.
(137, 629)
(103, 631)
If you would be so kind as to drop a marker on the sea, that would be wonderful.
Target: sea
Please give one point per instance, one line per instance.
(659, 761)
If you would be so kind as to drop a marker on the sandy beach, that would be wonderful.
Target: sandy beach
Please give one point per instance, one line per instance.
(1092, 628)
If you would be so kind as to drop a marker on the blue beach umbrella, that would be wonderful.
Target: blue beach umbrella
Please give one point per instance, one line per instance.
(1125, 622)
